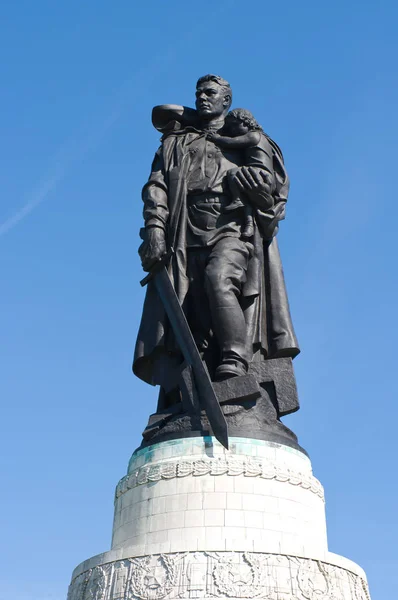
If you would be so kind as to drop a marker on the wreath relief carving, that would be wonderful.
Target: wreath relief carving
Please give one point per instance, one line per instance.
(243, 575)
(248, 467)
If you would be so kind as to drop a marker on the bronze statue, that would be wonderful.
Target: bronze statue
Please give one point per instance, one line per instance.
(215, 196)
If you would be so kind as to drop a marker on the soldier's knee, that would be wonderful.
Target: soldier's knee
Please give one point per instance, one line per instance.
(219, 284)
(214, 280)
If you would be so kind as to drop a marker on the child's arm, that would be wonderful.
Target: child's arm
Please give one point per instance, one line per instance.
(247, 140)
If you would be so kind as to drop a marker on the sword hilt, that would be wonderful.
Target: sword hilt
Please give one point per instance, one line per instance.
(161, 262)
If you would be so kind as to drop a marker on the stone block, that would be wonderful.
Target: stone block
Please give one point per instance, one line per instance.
(140, 526)
(253, 518)
(157, 537)
(204, 484)
(215, 500)
(254, 533)
(234, 518)
(290, 544)
(224, 483)
(177, 502)
(236, 533)
(194, 534)
(158, 522)
(176, 535)
(270, 504)
(189, 485)
(270, 542)
(234, 501)
(244, 485)
(253, 502)
(194, 518)
(138, 549)
(214, 534)
(195, 501)
(212, 545)
(181, 546)
(164, 547)
(140, 509)
(169, 487)
(271, 521)
(214, 517)
(159, 505)
(289, 508)
(244, 544)
(175, 519)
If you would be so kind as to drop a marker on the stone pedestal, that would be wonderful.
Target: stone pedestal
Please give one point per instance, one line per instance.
(193, 520)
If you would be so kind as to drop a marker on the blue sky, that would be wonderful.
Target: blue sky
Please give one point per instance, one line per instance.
(79, 80)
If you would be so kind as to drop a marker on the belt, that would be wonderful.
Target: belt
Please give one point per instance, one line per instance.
(208, 198)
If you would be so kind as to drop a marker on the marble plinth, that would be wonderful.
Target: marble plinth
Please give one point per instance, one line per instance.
(194, 520)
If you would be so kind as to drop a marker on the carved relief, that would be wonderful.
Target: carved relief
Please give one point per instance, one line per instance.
(153, 577)
(241, 579)
(312, 580)
(196, 577)
(96, 586)
(247, 466)
(120, 579)
(78, 586)
(218, 575)
(359, 587)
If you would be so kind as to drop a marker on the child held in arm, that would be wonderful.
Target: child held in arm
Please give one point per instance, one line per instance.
(244, 132)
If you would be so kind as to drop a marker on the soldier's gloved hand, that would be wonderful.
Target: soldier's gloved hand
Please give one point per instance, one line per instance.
(152, 248)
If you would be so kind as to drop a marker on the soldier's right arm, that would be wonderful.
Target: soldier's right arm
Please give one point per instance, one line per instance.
(154, 195)
(156, 212)
(165, 114)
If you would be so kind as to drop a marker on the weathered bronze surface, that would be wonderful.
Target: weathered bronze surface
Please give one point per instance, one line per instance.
(214, 199)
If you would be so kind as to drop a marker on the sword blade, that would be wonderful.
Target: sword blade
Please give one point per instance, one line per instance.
(191, 354)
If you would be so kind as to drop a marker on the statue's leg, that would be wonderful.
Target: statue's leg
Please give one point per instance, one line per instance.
(235, 191)
(248, 230)
(225, 274)
(197, 308)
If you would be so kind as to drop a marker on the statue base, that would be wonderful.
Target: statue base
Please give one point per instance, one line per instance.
(194, 520)
(252, 405)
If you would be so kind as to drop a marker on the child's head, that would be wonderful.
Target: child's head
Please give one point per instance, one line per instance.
(239, 121)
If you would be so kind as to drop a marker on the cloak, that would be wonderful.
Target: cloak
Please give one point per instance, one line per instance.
(264, 298)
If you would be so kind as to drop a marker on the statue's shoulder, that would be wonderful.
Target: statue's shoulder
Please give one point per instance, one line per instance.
(173, 117)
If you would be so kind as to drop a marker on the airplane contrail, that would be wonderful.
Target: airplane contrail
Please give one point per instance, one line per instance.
(77, 153)
(85, 145)
(37, 199)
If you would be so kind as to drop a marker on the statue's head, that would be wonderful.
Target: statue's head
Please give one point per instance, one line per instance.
(239, 121)
(213, 97)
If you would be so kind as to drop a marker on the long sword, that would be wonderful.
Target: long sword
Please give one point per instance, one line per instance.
(186, 342)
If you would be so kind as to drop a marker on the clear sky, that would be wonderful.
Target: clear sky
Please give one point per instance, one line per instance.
(78, 82)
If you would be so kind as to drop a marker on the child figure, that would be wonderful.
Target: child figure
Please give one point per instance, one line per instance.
(247, 134)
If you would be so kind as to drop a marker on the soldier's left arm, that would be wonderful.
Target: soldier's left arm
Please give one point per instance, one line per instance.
(258, 182)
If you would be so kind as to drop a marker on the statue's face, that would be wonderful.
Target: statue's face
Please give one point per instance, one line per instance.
(211, 100)
(235, 127)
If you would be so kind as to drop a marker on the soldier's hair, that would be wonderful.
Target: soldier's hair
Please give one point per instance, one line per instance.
(246, 117)
(220, 81)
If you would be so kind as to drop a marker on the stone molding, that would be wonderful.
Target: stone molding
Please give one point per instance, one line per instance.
(246, 466)
(238, 575)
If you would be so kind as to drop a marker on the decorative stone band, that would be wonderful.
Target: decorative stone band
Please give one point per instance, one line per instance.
(237, 575)
(234, 466)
